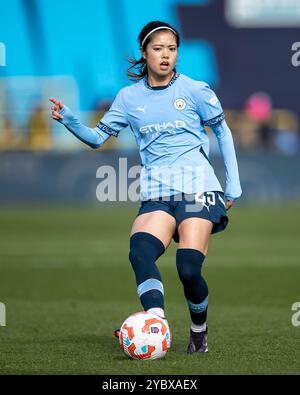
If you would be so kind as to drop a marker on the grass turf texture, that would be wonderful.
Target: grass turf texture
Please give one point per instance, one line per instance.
(67, 284)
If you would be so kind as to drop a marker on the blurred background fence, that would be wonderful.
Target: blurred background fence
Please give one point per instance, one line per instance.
(65, 177)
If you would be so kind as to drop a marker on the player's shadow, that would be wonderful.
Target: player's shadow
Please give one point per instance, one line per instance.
(99, 343)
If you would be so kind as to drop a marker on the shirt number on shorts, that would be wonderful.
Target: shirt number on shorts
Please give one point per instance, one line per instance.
(207, 198)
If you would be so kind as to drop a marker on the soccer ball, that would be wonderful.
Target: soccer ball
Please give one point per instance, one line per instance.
(145, 336)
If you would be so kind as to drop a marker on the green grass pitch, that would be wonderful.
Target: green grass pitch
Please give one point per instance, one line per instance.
(67, 284)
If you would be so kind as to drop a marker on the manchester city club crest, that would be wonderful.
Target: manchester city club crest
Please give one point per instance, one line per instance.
(180, 104)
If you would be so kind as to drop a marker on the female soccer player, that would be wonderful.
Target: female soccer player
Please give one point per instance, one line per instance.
(181, 198)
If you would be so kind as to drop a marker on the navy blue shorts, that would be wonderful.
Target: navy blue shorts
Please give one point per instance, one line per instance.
(209, 205)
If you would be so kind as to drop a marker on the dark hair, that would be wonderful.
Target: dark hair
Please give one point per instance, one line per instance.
(141, 64)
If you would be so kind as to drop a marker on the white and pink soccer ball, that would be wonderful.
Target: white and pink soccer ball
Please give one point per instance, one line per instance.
(145, 336)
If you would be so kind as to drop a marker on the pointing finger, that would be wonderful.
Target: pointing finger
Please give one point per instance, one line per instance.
(53, 100)
(56, 102)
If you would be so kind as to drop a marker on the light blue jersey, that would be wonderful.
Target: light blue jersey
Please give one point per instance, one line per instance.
(168, 125)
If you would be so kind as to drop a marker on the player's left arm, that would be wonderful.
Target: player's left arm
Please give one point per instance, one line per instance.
(233, 187)
(212, 115)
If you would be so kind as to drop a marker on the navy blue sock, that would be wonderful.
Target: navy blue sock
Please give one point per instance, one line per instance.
(189, 263)
(145, 249)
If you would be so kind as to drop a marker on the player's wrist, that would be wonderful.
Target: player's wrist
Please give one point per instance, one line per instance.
(67, 114)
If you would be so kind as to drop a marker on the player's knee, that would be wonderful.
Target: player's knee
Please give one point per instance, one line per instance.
(145, 249)
(136, 258)
(143, 246)
(189, 263)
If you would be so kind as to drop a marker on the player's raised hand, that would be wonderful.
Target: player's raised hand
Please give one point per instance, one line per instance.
(57, 106)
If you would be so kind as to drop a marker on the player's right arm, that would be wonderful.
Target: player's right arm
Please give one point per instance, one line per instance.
(94, 137)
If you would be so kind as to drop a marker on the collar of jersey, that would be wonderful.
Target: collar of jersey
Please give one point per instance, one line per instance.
(171, 82)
